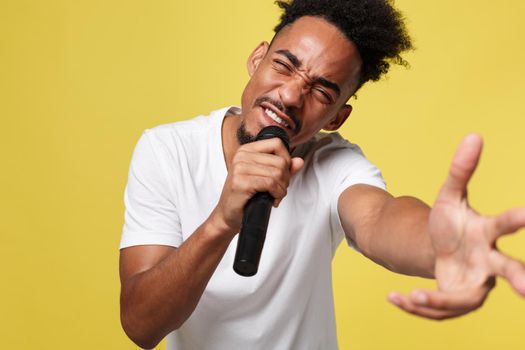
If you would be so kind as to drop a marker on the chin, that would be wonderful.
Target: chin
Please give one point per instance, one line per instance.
(243, 136)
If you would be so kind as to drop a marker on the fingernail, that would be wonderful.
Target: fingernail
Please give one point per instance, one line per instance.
(420, 297)
(393, 297)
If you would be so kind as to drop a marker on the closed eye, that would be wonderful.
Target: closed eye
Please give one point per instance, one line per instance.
(282, 66)
(325, 96)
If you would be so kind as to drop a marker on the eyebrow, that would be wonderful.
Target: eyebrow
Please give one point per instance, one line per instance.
(317, 80)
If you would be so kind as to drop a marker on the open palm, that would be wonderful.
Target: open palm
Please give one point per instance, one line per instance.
(464, 242)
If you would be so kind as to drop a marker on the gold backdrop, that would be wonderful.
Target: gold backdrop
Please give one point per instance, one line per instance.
(80, 81)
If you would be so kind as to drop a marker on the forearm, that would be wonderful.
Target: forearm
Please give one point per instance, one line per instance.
(391, 231)
(399, 239)
(160, 299)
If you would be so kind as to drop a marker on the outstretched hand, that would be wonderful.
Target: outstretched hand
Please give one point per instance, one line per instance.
(467, 259)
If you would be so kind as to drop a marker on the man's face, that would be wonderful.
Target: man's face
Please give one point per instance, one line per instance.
(302, 82)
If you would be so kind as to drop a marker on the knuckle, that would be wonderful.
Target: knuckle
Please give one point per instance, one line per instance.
(232, 179)
(287, 162)
(237, 168)
(236, 176)
(278, 173)
(409, 307)
(281, 162)
(238, 186)
(239, 154)
(276, 142)
(271, 182)
(246, 147)
(238, 160)
(437, 303)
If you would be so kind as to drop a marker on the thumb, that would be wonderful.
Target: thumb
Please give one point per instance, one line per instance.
(296, 165)
(463, 166)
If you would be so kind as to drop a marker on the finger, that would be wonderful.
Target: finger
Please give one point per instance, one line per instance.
(405, 304)
(511, 269)
(261, 158)
(248, 185)
(469, 299)
(273, 146)
(507, 222)
(296, 165)
(266, 184)
(463, 165)
(276, 174)
(282, 176)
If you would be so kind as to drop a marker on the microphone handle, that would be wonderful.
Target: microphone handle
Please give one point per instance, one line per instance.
(256, 217)
(253, 233)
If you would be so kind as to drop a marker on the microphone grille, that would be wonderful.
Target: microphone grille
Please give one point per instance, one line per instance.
(272, 131)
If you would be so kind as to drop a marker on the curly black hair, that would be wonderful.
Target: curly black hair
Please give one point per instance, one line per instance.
(374, 26)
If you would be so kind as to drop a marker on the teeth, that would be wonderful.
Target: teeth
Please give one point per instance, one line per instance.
(275, 118)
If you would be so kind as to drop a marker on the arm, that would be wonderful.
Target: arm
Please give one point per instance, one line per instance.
(451, 240)
(161, 286)
(390, 231)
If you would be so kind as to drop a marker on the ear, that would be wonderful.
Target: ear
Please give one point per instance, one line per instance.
(256, 57)
(339, 119)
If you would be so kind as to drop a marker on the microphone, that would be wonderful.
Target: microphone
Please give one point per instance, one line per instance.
(255, 220)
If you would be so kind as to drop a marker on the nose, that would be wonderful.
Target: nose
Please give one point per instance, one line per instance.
(292, 92)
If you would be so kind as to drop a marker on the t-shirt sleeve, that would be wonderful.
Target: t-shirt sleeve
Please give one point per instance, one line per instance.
(354, 169)
(150, 212)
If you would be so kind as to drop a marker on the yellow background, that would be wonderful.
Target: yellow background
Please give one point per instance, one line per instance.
(80, 80)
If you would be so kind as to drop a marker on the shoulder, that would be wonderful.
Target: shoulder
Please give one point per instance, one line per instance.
(187, 129)
(337, 164)
(185, 136)
(331, 150)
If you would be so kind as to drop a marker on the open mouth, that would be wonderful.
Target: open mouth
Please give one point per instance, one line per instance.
(273, 116)
(278, 116)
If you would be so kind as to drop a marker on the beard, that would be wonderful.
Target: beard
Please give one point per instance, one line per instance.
(243, 136)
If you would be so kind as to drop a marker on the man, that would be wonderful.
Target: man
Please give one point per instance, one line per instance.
(189, 182)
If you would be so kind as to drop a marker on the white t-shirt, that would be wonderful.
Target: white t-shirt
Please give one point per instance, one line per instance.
(175, 180)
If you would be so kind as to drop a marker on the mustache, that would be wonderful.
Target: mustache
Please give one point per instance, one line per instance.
(278, 104)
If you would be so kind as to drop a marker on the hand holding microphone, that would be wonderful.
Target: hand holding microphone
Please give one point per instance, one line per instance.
(256, 217)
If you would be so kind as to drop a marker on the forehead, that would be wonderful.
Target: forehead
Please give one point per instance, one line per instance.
(322, 49)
